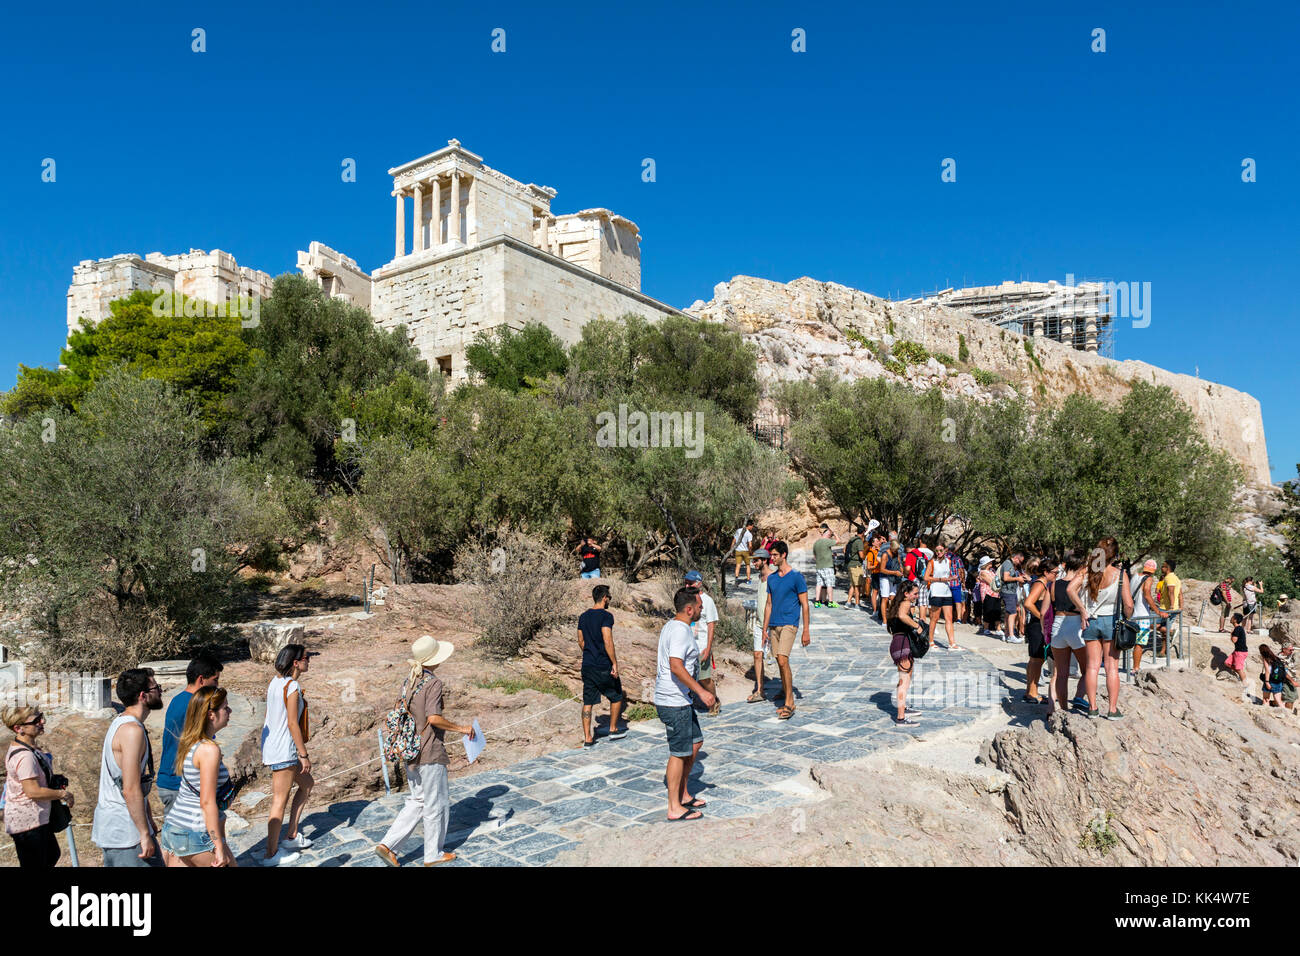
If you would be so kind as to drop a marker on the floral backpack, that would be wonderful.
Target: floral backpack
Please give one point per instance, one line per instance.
(401, 738)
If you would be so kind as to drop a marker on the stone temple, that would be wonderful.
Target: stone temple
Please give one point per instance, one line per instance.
(474, 250)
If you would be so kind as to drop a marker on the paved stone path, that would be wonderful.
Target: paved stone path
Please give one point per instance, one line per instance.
(750, 763)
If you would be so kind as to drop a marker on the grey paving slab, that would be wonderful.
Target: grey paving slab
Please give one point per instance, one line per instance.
(531, 812)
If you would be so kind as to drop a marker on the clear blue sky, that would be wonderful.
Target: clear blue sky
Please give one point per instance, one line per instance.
(1124, 165)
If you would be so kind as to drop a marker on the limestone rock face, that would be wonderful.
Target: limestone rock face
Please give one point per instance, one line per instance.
(268, 638)
(803, 327)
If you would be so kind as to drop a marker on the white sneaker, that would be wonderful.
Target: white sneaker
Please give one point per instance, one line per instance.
(1015, 639)
(299, 842)
(282, 858)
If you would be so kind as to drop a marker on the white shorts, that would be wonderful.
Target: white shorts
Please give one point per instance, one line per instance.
(1067, 632)
(886, 586)
(826, 578)
(758, 634)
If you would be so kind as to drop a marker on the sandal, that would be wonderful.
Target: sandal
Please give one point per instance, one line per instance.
(688, 815)
(695, 803)
(785, 713)
(755, 697)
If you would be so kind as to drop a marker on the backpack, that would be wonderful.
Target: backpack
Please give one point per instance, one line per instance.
(401, 739)
(921, 565)
(1216, 596)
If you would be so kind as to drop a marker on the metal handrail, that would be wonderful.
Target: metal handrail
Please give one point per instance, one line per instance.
(1174, 624)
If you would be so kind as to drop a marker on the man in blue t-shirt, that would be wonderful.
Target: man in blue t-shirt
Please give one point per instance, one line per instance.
(787, 603)
(599, 665)
(204, 671)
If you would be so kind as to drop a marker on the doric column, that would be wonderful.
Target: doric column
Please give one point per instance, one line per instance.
(401, 224)
(453, 220)
(417, 237)
(1090, 333)
(1067, 330)
(435, 225)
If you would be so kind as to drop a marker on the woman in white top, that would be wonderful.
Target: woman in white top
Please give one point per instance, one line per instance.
(1105, 592)
(284, 750)
(194, 832)
(1250, 592)
(937, 573)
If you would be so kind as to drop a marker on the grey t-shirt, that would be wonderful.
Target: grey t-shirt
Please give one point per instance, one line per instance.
(1006, 572)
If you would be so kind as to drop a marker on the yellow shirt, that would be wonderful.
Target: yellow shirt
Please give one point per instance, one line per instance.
(1171, 585)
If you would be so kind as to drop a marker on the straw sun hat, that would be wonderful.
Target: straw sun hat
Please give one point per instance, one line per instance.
(430, 652)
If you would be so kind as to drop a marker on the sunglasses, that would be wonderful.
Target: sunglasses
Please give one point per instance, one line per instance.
(35, 720)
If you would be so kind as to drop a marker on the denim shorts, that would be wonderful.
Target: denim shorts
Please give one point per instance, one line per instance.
(1100, 628)
(286, 765)
(180, 842)
(683, 729)
(590, 574)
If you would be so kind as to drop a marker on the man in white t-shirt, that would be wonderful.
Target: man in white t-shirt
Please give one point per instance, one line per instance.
(674, 684)
(703, 632)
(743, 541)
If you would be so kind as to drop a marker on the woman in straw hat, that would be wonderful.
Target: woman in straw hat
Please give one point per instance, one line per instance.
(427, 798)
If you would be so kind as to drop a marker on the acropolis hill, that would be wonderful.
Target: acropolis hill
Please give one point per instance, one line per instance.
(475, 250)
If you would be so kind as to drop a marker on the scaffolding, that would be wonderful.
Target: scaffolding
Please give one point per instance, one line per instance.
(1076, 314)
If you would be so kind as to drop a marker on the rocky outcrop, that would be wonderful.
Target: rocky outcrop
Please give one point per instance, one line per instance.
(806, 325)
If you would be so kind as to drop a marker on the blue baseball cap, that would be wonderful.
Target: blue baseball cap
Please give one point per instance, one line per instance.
(694, 576)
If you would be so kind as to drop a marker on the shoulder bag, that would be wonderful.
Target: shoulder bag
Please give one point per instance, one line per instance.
(1125, 632)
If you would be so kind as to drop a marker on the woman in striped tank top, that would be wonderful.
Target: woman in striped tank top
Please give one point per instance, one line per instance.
(194, 832)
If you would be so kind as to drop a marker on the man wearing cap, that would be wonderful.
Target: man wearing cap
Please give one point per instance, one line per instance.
(674, 684)
(762, 558)
(824, 558)
(702, 630)
(787, 602)
(427, 798)
(1146, 610)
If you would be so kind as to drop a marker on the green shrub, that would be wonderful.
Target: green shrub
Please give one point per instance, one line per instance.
(856, 338)
(963, 353)
(1098, 835)
(943, 357)
(731, 630)
(987, 378)
(895, 366)
(911, 353)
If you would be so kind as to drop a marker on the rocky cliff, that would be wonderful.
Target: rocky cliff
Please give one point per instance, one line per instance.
(806, 325)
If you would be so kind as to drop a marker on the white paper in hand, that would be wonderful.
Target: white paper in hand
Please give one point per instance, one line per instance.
(474, 745)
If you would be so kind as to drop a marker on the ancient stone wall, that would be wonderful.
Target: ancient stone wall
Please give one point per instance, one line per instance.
(446, 301)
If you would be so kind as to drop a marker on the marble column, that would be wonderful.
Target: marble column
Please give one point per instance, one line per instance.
(417, 237)
(471, 210)
(435, 225)
(401, 224)
(1090, 333)
(543, 234)
(453, 220)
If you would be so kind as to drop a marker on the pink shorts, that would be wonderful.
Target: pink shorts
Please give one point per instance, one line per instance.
(1237, 660)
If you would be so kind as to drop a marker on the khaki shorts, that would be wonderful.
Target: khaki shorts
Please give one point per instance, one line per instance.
(742, 557)
(705, 669)
(855, 575)
(782, 639)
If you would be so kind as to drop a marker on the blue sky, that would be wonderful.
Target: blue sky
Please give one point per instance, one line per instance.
(1124, 165)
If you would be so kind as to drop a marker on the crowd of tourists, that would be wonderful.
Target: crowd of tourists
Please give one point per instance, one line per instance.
(1077, 613)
